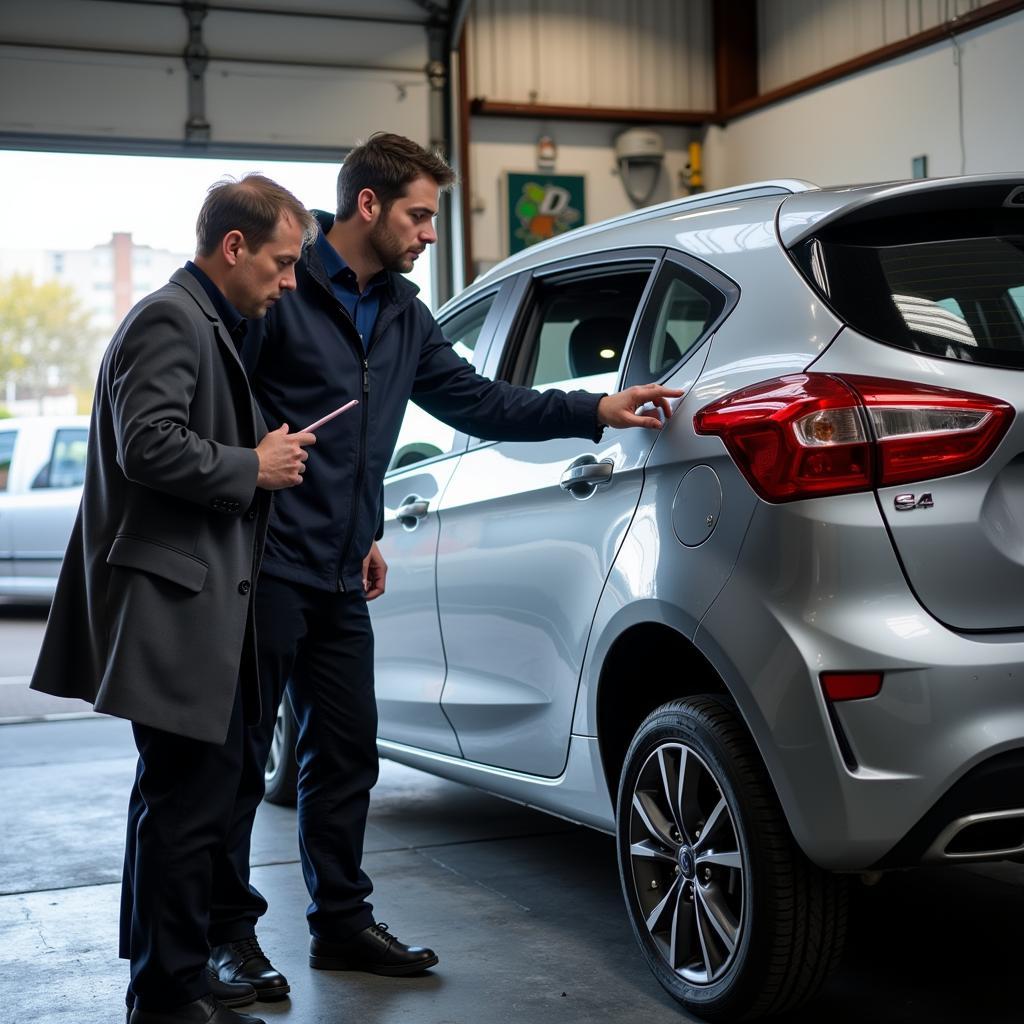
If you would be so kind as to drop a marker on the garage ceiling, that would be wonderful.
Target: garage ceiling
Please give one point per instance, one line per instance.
(261, 76)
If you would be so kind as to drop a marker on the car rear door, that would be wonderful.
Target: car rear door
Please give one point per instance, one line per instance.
(524, 552)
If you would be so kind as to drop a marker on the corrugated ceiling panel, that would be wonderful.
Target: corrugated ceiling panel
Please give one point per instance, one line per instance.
(107, 70)
(798, 38)
(650, 54)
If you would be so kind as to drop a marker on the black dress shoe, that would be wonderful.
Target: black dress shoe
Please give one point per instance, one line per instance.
(244, 962)
(374, 950)
(202, 1011)
(227, 993)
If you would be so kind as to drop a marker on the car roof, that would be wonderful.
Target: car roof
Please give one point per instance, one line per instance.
(600, 234)
(42, 422)
(805, 206)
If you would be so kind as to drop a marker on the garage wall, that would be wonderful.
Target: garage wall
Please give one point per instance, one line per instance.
(501, 145)
(869, 127)
(647, 54)
(102, 70)
(797, 38)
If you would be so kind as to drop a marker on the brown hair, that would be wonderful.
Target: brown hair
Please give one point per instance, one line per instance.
(386, 163)
(253, 206)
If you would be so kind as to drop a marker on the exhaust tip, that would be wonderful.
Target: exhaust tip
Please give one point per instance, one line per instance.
(989, 836)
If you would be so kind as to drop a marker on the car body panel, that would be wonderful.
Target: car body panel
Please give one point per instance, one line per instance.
(410, 661)
(818, 588)
(976, 519)
(35, 521)
(578, 793)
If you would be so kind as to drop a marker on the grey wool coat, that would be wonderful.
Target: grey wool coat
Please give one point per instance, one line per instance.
(152, 617)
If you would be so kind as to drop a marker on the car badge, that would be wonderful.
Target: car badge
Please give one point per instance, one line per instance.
(909, 502)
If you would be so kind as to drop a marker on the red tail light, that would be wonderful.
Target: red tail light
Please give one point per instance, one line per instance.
(812, 434)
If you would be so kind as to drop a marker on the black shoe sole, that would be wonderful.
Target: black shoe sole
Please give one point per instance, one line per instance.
(237, 1001)
(233, 1004)
(332, 963)
(273, 995)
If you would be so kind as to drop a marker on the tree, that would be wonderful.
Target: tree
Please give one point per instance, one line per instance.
(47, 339)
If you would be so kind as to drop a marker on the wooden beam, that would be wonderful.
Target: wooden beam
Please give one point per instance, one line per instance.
(736, 54)
(495, 108)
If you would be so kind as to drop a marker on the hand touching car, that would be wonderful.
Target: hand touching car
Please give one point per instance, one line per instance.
(620, 409)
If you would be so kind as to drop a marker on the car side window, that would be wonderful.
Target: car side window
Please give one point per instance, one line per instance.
(66, 467)
(7, 439)
(422, 436)
(681, 311)
(576, 336)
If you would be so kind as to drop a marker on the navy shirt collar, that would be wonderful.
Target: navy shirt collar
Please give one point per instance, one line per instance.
(228, 315)
(339, 271)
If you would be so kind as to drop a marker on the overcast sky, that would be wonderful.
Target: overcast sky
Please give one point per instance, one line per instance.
(76, 201)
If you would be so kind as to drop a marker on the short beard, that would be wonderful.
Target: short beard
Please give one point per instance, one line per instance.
(387, 247)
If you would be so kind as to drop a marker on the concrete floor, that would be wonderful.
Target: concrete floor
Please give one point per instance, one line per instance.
(523, 909)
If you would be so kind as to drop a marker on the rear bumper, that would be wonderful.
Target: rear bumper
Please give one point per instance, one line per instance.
(817, 588)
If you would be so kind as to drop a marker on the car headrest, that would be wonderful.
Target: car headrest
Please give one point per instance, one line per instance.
(590, 337)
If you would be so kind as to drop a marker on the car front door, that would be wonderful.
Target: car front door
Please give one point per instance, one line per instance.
(529, 530)
(409, 658)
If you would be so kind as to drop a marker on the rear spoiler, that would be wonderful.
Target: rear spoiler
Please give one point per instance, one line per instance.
(806, 213)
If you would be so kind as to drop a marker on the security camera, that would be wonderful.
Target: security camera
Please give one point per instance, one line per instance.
(639, 149)
(639, 145)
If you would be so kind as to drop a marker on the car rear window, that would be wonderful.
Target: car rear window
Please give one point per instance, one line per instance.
(950, 287)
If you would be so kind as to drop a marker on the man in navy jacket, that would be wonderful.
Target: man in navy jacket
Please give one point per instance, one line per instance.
(354, 329)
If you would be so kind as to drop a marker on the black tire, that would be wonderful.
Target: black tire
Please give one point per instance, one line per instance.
(757, 928)
(282, 771)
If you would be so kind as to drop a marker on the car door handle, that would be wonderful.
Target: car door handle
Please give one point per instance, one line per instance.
(411, 511)
(585, 474)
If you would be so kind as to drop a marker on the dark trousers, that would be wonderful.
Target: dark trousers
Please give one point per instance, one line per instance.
(320, 644)
(179, 815)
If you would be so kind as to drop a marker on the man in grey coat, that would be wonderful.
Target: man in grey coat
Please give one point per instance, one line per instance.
(152, 618)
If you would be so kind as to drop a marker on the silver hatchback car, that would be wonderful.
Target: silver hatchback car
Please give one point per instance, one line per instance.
(782, 641)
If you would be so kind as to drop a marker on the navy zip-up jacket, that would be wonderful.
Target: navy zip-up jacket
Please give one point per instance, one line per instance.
(306, 358)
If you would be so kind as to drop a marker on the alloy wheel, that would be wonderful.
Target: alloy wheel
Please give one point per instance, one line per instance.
(686, 863)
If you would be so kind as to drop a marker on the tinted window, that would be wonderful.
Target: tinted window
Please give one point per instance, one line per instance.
(577, 334)
(682, 309)
(6, 451)
(66, 467)
(955, 297)
(422, 436)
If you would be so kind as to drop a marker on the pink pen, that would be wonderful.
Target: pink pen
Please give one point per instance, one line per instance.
(330, 416)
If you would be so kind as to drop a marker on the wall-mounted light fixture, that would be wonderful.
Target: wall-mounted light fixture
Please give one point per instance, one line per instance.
(547, 153)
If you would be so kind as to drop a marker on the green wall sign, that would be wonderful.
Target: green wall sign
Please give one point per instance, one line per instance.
(541, 206)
